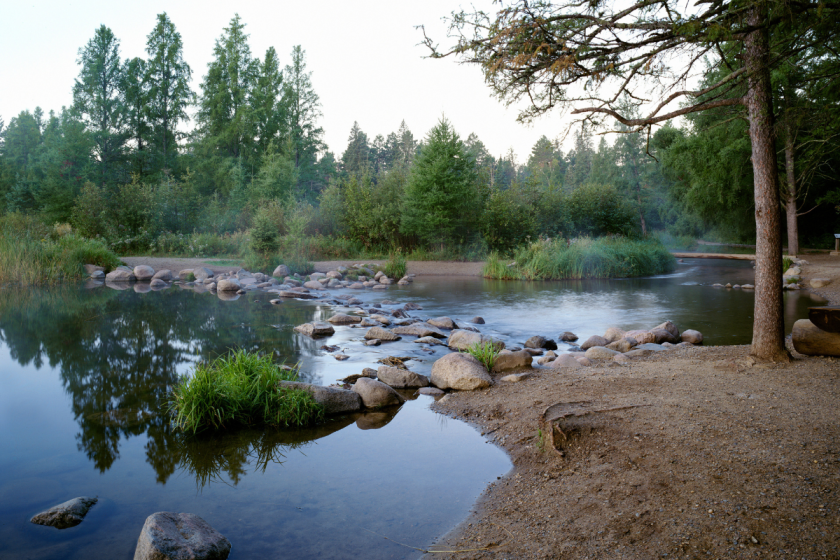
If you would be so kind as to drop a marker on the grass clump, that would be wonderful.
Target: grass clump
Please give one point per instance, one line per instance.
(603, 257)
(241, 389)
(396, 265)
(484, 352)
(32, 253)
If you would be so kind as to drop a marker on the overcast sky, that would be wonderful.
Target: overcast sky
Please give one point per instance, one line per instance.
(366, 62)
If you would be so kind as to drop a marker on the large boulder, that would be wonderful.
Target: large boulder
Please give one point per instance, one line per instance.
(180, 536)
(461, 372)
(281, 271)
(375, 394)
(594, 340)
(420, 329)
(120, 275)
(333, 399)
(623, 345)
(202, 273)
(642, 337)
(600, 353)
(811, 340)
(565, 361)
(378, 333)
(538, 341)
(662, 335)
(316, 329)
(228, 285)
(184, 275)
(507, 360)
(67, 514)
(342, 319)
(144, 272)
(613, 334)
(670, 327)
(401, 378)
(313, 285)
(443, 323)
(462, 340)
(692, 336)
(165, 275)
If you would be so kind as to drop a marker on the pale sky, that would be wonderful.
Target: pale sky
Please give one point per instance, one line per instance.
(366, 62)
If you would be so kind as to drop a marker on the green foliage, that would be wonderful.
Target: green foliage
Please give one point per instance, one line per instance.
(263, 233)
(32, 253)
(604, 257)
(396, 265)
(509, 220)
(786, 264)
(241, 389)
(600, 210)
(484, 352)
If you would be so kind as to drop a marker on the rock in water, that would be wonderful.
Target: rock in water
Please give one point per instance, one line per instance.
(662, 335)
(535, 341)
(202, 273)
(811, 340)
(316, 329)
(401, 378)
(460, 371)
(692, 336)
(419, 329)
(507, 360)
(334, 400)
(613, 334)
(120, 275)
(379, 333)
(281, 271)
(477, 320)
(68, 514)
(342, 319)
(180, 536)
(443, 323)
(461, 340)
(594, 340)
(670, 327)
(568, 337)
(228, 285)
(165, 275)
(143, 272)
(375, 393)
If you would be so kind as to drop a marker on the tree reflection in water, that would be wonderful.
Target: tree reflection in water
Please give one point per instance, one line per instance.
(118, 353)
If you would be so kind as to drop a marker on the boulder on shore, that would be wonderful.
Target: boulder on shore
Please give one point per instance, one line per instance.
(820, 282)
(375, 394)
(461, 340)
(120, 275)
(333, 399)
(399, 378)
(507, 360)
(692, 336)
(180, 536)
(165, 275)
(623, 345)
(144, 272)
(613, 334)
(670, 327)
(565, 361)
(810, 340)
(461, 372)
(202, 273)
(281, 271)
(600, 353)
(594, 340)
(642, 337)
(67, 514)
(662, 335)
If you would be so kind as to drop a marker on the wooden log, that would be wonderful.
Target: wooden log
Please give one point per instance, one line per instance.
(811, 341)
(718, 256)
(825, 318)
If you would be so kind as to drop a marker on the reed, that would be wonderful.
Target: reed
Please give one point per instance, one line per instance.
(241, 389)
(603, 257)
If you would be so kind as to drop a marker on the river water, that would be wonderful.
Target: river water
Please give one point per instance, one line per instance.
(84, 374)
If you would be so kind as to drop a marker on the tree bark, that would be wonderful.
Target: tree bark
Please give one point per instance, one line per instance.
(768, 318)
(790, 193)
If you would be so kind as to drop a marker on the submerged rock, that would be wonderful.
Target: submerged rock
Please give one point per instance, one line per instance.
(376, 394)
(180, 536)
(461, 372)
(67, 514)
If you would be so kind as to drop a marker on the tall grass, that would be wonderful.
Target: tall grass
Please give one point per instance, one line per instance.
(484, 352)
(241, 389)
(396, 265)
(603, 257)
(32, 253)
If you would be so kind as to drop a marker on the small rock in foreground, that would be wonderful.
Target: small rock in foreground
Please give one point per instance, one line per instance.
(177, 536)
(68, 514)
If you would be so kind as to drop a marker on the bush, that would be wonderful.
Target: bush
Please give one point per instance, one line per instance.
(604, 257)
(396, 265)
(241, 389)
(263, 234)
(596, 210)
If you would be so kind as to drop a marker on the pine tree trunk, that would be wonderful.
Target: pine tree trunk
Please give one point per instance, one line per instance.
(790, 195)
(768, 323)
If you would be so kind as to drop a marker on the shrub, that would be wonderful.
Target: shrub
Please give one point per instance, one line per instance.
(484, 352)
(396, 265)
(263, 233)
(241, 389)
(600, 210)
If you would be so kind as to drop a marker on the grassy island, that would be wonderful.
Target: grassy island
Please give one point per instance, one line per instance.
(241, 389)
(603, 257)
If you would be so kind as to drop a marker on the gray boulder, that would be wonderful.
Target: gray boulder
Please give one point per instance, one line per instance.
(67, 514)
(662, 335)
(535, 342)
(692, 336)
(460, 339)
(165, 275)
(202, 273)
(381, 319)
(184, 275)
(378, 333)
(401, 378)
(613, 334)
(651, 346)
(333, 399)
(229, 285)
(356, 286)
(432, 391)
(594, 340)
(600, 353)
(158, 284)
(317, 276)
(375, 394)
(143, 272)
(507, 360)
(461, 372)
(180, 536)
(316, 329)
(566, 361)
(670, 327)
(281, 271)
(419, 329)
(120, 275)
(342, 319)
(443, 323)
(313, 285)
(623, 345)
(820, 282)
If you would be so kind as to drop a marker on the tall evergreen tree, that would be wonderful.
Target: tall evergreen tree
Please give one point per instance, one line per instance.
(356, 159)
(268, 114)
(303, 109)
(168, 78)
(135, 99)
(97, 98)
